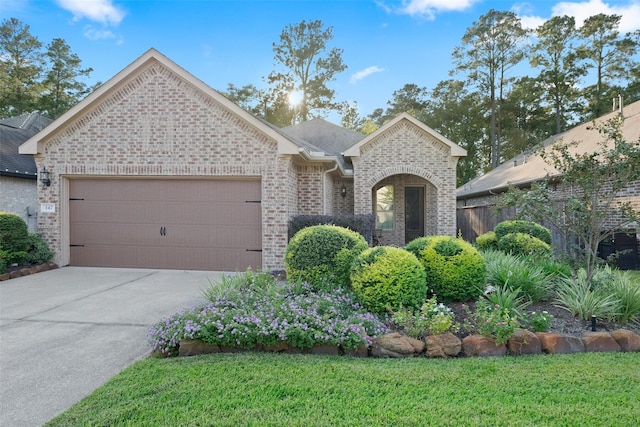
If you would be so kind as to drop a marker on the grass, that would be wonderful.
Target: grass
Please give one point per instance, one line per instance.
(296, 390)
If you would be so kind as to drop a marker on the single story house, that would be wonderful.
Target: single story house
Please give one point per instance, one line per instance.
(18, 184)
(155, 169)
(476, 199)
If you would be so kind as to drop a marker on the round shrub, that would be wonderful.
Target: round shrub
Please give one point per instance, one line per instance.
(522, 226)
(13, 233)
(455, 270)
(523, 244)
(322, 252)
(387, 278)
(487, 241)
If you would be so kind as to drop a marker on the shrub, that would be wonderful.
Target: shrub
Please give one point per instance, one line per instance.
(540, 321)
(386, 278)
(577, 297)
(3, 260)
(522, 226)
(13, 233)
(487, 241)
(528, 275)
(523, 244)
(492, 321)
(433, 318)
(455, 270)
(38, 251)
(511, 299)
(322, 251)
(363, 224)
(627, 294)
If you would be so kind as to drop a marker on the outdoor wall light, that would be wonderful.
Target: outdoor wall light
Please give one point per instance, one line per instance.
(343, 191)
(44, 177)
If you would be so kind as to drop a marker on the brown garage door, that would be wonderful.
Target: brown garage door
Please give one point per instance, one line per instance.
(174, 224)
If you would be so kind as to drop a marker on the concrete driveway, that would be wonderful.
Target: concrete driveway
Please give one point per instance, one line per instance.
(65, 332)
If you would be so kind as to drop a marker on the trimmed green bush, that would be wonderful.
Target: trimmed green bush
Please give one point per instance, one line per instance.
(522, 226)
(321, 252)
(38, 250)
(13, 233)
(387, 278)
(487, 241)
(3, 260)
(455, 270)
(523, 244)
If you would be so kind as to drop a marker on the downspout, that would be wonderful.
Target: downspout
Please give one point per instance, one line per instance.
(324, 189)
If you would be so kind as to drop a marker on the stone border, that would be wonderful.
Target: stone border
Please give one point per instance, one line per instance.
(26, 271)
(396, 345)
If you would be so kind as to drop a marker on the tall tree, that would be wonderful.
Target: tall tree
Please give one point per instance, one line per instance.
(21, 62)
(62, 87)
(609, 54)
(309, 65)
(460, 116)
(490, 48)
(560, 67)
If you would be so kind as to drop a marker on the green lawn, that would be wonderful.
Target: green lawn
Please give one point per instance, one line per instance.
(594, 389)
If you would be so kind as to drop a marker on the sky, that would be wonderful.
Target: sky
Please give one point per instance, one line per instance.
(386, 43)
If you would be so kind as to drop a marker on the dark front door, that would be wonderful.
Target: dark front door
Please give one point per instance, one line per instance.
(414, 213)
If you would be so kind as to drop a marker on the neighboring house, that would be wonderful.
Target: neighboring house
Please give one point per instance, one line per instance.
(18, 183)
(476, 199)
(155, 169)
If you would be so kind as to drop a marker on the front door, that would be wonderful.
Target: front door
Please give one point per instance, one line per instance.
(414, 213)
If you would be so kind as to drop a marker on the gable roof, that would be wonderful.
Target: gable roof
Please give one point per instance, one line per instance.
(456, 150)
(35, 144)
(526, 168)
(13, 132)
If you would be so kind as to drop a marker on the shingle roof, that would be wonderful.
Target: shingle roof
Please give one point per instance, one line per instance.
(527, 168)
(322, 136)
(13, 132)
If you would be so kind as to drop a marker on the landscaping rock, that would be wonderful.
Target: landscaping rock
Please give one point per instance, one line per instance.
(445, 345)
(599, 341)
(627, 340)
(196, 347)
(560, 343)
(396, 345)
(524, 342)
(15, 274)
(477, 345)
(5, 276)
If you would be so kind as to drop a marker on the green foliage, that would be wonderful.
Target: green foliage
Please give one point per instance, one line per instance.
(540, 321)
(13, 233)
(487, 241)
(38, 250)
(455, 270)
(492, 321)
(525, 274)
(510, 299)
(626, 290)
(576, 296)
(522, 226)
(3, 260)
(433, 318)
(317, 253)
(523, 244)
(386, 278)
(363, 224)
(262, 284)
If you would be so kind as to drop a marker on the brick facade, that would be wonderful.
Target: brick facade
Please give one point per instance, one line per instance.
(403, 155)
(19, 196)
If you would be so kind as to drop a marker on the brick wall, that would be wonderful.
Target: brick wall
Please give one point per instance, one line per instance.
(158, 124)
(406, 150)
(19, 196)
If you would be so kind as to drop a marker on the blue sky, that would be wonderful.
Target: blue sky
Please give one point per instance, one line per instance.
(386, 43)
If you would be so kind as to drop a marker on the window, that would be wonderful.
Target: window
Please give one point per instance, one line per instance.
(384, 208)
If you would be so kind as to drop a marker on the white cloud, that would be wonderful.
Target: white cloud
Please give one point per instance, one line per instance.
(365, 73)
(428, 8)
(528, 20)
(581, 10)
(94, 34)
(103, 11)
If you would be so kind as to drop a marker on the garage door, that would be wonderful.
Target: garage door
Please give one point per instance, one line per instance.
(173, 224)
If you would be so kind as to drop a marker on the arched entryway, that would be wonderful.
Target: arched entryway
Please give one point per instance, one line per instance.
(406, 207)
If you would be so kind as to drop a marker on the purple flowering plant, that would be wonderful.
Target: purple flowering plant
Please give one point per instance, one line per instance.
(292, 313)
